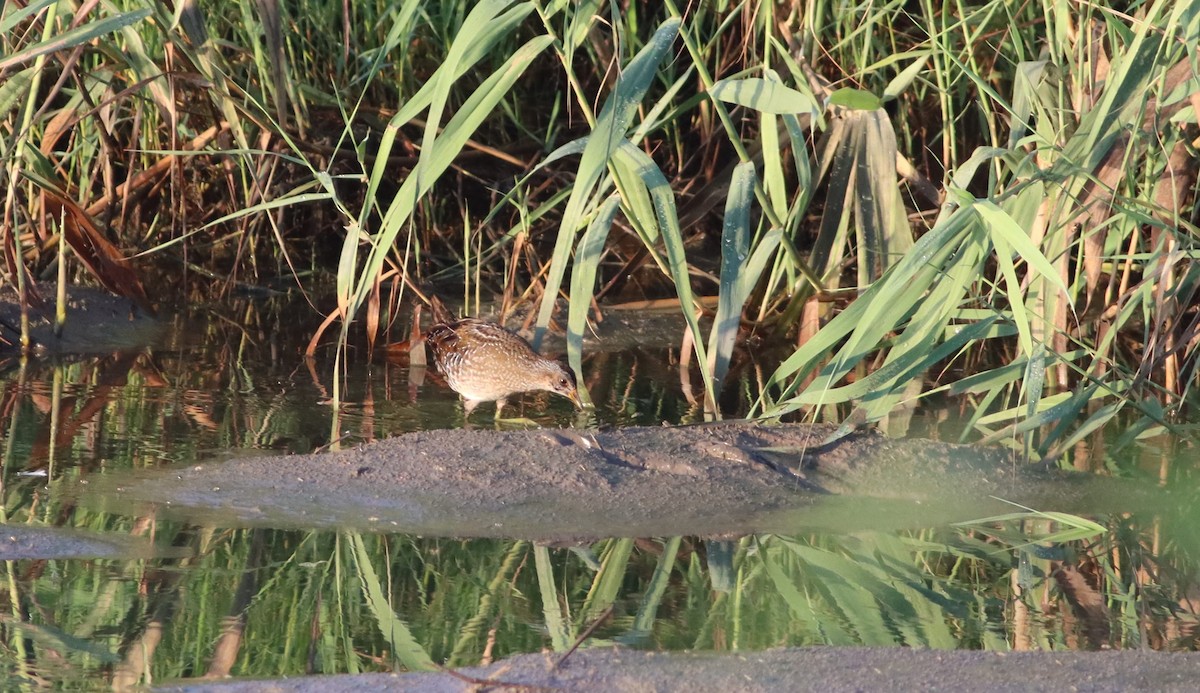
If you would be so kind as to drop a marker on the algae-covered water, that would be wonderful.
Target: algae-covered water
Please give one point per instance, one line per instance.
(112, 594)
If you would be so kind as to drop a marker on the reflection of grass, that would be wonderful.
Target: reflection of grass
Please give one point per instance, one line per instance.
(324, 602)
(394, 629)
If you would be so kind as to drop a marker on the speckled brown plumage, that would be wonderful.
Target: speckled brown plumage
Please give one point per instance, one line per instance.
(484, 362)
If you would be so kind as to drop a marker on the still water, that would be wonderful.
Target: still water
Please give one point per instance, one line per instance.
(177, 599)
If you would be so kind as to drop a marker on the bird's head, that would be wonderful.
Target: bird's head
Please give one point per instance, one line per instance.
(561, 381)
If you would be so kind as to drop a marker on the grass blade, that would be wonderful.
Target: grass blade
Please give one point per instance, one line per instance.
(583, 279)
(612, 123)
(736, 281)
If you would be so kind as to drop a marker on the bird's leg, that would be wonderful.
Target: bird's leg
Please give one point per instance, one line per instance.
(469, 406)
(518, 421)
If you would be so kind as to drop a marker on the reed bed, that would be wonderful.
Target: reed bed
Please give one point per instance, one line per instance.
(995, 201)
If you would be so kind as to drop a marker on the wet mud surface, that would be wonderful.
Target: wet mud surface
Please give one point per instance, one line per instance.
(801, 669)
(96, 322)
(709, 480)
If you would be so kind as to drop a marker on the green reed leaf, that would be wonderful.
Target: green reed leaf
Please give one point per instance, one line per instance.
(607, 135)
(74, 37)
(734, 289)
(583, 279)
(855, 100)
(766, 96)
(477, 108)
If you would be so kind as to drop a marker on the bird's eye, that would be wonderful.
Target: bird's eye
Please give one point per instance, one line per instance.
(563, 383)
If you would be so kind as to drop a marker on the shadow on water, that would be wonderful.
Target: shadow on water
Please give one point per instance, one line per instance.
(161, 586)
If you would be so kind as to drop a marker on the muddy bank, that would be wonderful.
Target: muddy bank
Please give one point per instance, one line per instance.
(799, 669)
(96, 322)
(705, 480)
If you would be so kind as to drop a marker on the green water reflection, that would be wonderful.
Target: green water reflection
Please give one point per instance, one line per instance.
(268, 602)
